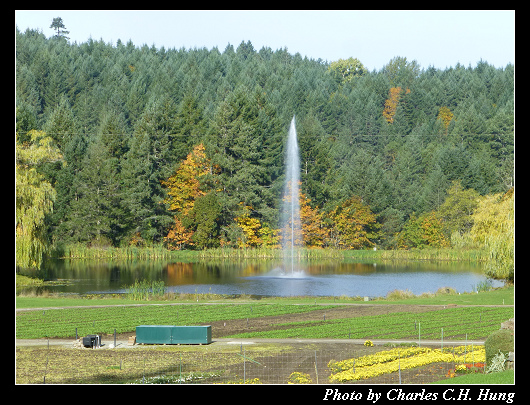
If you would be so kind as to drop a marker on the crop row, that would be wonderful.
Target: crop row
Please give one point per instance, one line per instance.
(63, 322)
(456, 322)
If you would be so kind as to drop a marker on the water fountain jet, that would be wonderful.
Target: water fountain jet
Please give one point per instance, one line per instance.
(291, 229)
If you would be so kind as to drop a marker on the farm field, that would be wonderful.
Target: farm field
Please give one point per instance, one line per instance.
(257, 362)
(272, 320)
(475, 322)
(226, 363)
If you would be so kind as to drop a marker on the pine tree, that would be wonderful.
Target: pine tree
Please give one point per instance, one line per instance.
(236, 152)
(60, 29)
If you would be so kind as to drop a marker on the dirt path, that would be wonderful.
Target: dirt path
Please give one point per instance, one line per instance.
(108, 342)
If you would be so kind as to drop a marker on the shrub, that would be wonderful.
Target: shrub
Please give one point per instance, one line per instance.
(144, 289)
(399, 295)
(299, 378)
(501, 340)
(446, 290)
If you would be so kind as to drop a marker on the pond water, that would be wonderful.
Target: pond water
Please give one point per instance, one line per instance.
(314, 278)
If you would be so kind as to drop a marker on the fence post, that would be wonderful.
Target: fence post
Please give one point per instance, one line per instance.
(399, 368)
(316, 370)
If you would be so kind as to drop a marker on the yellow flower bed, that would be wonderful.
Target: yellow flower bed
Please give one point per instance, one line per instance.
(386, 362)
(380, 357)
(299, 378)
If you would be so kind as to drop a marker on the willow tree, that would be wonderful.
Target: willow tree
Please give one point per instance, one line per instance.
(494, 228)
(34, 198)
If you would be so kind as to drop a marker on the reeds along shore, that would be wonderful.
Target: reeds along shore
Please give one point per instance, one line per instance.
(79, 251)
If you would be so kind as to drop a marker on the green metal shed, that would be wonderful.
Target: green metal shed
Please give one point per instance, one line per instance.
(171, 334)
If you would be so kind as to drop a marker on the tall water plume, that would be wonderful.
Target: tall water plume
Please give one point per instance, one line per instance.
(291, 230)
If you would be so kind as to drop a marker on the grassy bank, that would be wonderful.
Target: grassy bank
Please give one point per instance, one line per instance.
(502, 377)
(80, 251)
(446, 254)
(500, 296)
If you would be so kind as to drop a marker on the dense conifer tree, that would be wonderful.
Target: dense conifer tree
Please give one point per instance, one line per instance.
(125, 116)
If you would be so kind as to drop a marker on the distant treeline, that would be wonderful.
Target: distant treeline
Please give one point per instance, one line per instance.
(380, 151)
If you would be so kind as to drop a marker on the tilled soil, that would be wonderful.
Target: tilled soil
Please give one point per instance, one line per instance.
(234, 326)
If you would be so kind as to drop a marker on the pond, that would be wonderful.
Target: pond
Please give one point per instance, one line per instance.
(314, 278)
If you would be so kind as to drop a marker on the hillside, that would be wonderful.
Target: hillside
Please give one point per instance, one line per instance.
(380, 147)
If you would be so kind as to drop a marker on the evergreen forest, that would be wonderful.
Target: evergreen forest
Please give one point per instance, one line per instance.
(119, 145)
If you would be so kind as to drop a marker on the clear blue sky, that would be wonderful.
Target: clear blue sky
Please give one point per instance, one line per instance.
(433, 38)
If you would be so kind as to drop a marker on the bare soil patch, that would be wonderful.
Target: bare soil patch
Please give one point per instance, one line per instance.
(234, 326)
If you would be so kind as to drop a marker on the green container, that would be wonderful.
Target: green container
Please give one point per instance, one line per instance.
(171, 334)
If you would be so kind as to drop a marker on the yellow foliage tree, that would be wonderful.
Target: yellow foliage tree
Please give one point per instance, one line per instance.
(34, 199)
(353, 224)
(269, 236)
(445, 116)
(494, 228)
(250, 227)
(184, 188)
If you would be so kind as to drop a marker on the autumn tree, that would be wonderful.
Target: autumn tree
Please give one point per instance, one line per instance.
(493, 230)
(445, 116)
(178, 236)
(184, 188)
(352, 225)
(391, 103)
(250, 227)
(423, 231)
(313, 229)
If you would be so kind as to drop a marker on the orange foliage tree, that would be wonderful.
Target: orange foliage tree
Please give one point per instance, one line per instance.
(313, 229)
(392, 102)
(178, 236)
(184, 186)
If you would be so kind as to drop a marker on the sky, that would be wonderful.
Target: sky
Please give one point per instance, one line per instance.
(432, 38)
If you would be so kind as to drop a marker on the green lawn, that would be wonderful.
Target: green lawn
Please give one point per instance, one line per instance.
(501, 296)
(503, 377)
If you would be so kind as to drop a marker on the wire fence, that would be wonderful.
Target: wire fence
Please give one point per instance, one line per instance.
(258, 363)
